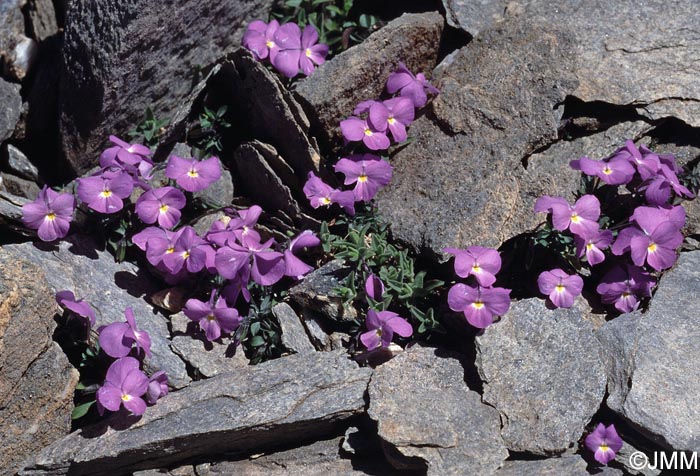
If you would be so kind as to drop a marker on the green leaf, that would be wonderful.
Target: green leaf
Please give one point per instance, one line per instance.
(255, 328)
(257, 341)
(81, 410)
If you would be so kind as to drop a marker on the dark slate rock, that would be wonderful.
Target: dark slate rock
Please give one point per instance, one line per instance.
(542, 370)
(335, 88)
(42, 18)
(11, 108)
(76, 265)
(474, 16)
(567, 465)
(653, 360)
(275, 403)
(461, 180)
(11, 210)
(11, 29)
(19, 164)
(294, 337)
(314, 325)
(427, 416)
(208, 358)
(120, 56)
(317, 291)
(36, 380)
(18, 186)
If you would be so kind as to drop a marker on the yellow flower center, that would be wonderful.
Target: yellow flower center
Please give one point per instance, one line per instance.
(368, 132)
(126, 397)
(362, 178)
(163, 208)
(607, 170)
(625, 294)
(270, 44)
(185, 254)
(193, 173)
(51, 216)
(477, 305)
(391, 120)
(106, 193)
(575, 218)
(559, 288)
(211, 317)
(651, 248)
(476, 269)
(326, 201)
(589, 246)
(604, 448)
(170, 250)
(308, 53)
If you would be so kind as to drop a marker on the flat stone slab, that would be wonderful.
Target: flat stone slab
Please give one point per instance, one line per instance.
(427, 416)
(565, 466)
(542, 370)
(654, 359)
(275, 403)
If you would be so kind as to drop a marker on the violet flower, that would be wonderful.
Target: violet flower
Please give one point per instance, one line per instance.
(368, 172)
(560, 287)
(356, 129)
(298, 50)
(260, 39)
(193, 175)
(157, 387)
(133, 158)
(189, 252)
(382, 326)
(581, 219)
(50, 214)
(393, 114)
(161, 205)
(227, 228)
(321, 194)
(293, 266)
(624, 287)
(105, 193)
(374, 287)
(482, 263)
(479, 304)
(213, 318)
(156, 242)
(604, 443)
(593, 246)
(118, 338)
(79, 307)
(646, 162)
(614, 171)
(416, 88)
(657, 189)
(124, 384)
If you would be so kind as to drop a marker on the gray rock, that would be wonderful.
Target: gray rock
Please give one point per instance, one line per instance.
(18, 186)
(120, 56)
(653, 358)
(314, 328)
(75, 264)
(542, 370)
(461, 180)
(294, 337)
(317, 291)
(208, 358)
(220, 193)
(459, 435)
(19, 164)
(623, 457)
(336, 87)
(11, 211)
(473, 16)
(567, 465)
(42, 18)
(36, 380)
(275, 403)
(11, 105)
(11, 30)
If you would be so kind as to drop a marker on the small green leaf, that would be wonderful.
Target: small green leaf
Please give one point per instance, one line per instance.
(81, 410)
(255, 328)
(257, 341)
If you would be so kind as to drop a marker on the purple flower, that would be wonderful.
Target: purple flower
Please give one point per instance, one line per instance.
(298, 50)
(479, 304)
(260, 39)
(157, 387)
(189, 251)
(161, 205)
(293, 266)
(623, 287)
(50, 214)
(79, 307)
(393, 114)
(482, 263)
(156, 242)
(229, 228)
(657, 189)
(646, 162)
(133, 158)
(560, 287)
(213, 319)
(321, 194)
(117, 338)
(616, 170)
(381, 328)
(374, 287)
(356, 129)
(416, 88)
(105, 193)
(593, 246)
(368, 172)
(604, 443)
(193, 175)
(124, 384)
(581, 219)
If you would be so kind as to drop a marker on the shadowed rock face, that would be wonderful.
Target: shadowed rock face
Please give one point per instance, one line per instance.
(11, 107)
(252, 408)
(36, 380)
(121, 56)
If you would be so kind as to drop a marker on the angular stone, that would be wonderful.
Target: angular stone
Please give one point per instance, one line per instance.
(11, 31)
(461, 180)
(360, 73)
(120, 56)
(11, 210)
(75, 264)
(42, 18)
(542, 370)
(474, 16)
(11, 106)
(567, 465)
(317, 291)
(315, 329)
(18, 186)
(275, 403)
(294, 337)
(455, 436)
(653, 357)
(208, 358)
(19, 164)
(36, 380)
(220, 193)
